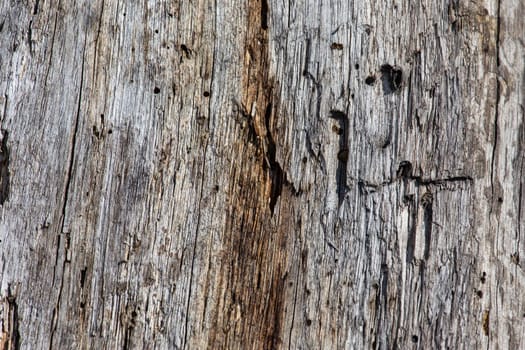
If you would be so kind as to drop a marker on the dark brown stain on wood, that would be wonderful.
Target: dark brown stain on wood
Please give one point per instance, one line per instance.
(485, 322)
(254, 264)
(9, 333)
(259, 100)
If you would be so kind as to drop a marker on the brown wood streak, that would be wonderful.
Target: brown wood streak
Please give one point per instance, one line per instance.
(9, 334)
(254, 266)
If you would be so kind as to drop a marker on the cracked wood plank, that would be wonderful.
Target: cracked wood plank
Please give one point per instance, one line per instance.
(262, 174)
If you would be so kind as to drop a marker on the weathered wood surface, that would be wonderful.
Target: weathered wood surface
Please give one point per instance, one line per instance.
(262, 174)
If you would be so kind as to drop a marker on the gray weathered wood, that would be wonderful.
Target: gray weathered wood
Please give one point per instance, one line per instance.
(262, 174)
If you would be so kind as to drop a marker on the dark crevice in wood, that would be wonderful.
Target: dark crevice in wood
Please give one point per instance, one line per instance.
(264, 14)
(248, 121)
(83, 277)
(129, 324)
(35, 8)
(29, 38)
(186, 50)
(57, 254)
(383, 296)
(370, 80)
(366, 187)
(96, 132)
(11, 322)
(452, 10)
(427, 202)
(495, 143)
(306, 73)
(4, 167)
(410, 98)
(392, 77)
(520, 201)
(426, 181)
(309, 76)
(192, 271)
(267, 146)
(331, 245)
(342, 154)
(127, 335)
(338, 115)
(496, 107)
(412, 231)
(69, 176)
(405, 169)
(277, 176)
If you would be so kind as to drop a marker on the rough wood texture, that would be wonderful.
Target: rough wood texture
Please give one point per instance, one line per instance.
(262, 174)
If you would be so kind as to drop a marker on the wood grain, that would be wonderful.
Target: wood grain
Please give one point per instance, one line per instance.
(262, 174)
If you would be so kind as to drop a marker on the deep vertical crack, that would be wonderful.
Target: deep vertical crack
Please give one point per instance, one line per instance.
(4, 158)
(11, 322)
(30, 38)
(69, 175)
(342, 154)
(201, 194)
(35, 8)
(427, 223)
(4, 166)
(496, 112)
(73, 144)
(277, 176)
